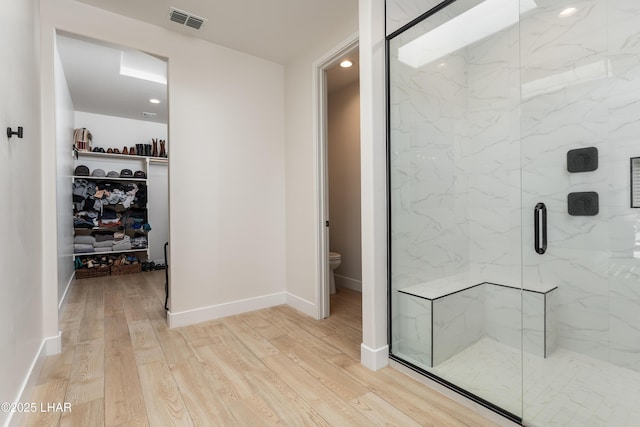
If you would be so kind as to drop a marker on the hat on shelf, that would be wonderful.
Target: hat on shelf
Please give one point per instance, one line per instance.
(98, 173)
(126, 173)
(113, 174)
(81, 170)
(140, 174)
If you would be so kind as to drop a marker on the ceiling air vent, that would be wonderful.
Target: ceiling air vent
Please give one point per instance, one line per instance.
(186, 18)
(148, 114)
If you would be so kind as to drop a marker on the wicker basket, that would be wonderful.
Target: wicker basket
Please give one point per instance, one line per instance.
(117, 270)
(88, 273)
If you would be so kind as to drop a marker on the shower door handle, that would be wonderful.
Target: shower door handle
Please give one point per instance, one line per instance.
(540, 228)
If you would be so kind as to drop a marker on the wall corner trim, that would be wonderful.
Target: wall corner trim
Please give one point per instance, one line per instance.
(374, 359)
(53, 345)
(212, 312)
(65, 294)
(306, 307)
(48, 347)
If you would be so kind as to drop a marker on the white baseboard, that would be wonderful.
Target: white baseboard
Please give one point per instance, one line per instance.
(346, 282)
(63, 300)
(302, 305)
(48, 346)
(189, 317)
(476, 407)
(374, 359)
(53, 345)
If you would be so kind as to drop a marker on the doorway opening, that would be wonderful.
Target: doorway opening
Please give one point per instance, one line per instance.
(112, 141)
(338, 152)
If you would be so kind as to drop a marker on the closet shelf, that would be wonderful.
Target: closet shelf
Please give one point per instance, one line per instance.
(111, 229)
(109, 252)
(106, 178)
(121, 156)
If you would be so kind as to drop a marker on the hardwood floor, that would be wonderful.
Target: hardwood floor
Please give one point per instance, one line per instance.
(121, 366)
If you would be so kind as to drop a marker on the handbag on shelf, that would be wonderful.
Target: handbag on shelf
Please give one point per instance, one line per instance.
(82, 139)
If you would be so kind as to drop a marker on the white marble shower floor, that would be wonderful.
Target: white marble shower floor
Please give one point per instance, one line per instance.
(565, 389)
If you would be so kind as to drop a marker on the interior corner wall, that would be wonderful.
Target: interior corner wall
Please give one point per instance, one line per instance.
(21, 334)
(301, 166)
(64, 167)
(343, 112)
(227, 184)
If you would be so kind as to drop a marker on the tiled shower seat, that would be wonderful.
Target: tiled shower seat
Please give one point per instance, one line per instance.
(443, 317)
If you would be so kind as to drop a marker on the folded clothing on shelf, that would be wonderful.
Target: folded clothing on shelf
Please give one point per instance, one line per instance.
(107, 244)
(86, 239)
(82, 248)
(100, 237)
(83, 223)
(120, 237)
(123, 245)
(139, 242)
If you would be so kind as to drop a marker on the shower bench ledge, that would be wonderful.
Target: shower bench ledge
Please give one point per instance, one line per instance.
(449, 285)
(440, 318)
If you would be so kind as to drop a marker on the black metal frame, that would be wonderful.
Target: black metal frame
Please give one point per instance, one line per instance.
(457, 389)
(393, 357)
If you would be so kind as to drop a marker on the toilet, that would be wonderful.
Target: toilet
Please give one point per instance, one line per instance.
(334, 261)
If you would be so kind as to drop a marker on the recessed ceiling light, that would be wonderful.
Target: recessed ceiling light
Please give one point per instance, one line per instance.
(346, 63)
(154, 101)
(567, 12)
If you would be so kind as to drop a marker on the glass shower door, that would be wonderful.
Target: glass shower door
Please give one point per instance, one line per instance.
(455, 204)
(514, 205)
(580, 128)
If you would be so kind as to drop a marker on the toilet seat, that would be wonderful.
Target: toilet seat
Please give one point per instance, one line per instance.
(334, 256)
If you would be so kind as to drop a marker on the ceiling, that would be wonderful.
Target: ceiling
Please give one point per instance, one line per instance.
(92, 71)
(276, 30)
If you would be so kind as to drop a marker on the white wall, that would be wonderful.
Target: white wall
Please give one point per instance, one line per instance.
(374, 348)
(227, 178)
(21, 334)
(343, 111)
(64, 165)
(118, 132)
(301, 166)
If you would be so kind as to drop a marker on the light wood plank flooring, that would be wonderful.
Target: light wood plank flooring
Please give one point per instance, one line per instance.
(121, 366)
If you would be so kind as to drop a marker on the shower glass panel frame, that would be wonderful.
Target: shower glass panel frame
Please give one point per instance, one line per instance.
(514, 253)
(455, 202)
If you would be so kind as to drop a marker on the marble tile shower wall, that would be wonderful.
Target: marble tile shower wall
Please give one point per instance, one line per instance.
(623, 270)
(458, 202)
(492, 158)
(596, 105)
(401, 12)
(429, 219)
(430, 236)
